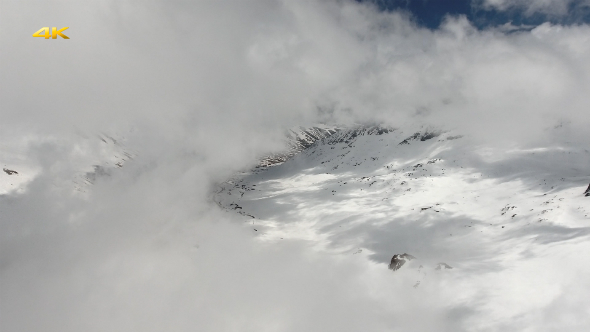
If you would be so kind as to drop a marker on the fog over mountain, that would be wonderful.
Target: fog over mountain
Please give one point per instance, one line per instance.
(255, 166)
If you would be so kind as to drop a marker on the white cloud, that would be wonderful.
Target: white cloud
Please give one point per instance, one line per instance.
(548, 7)
(202, 89)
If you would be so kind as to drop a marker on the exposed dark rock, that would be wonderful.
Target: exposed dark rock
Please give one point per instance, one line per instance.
(297, 141)
(450, 138)
(507, 208)
(420, 136)
(443, 266)
(397, 261)
(411, 138)
(586, 193)
(99, 171)
(428, 135)
(347, 136)
(235, 206)
(9, 171)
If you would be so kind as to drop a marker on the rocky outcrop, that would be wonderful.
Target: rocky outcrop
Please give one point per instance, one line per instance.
(297, 140)
(347, 136)
(420, 137)
(9, 171)
(443, 266)
(397, 261)
(302, 138)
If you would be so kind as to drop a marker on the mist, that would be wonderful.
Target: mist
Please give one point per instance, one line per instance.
(195, 91)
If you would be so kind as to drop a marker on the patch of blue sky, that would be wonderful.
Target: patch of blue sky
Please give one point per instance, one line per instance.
(431, 13)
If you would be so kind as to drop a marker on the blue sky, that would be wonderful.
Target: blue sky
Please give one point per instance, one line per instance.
(430, 13)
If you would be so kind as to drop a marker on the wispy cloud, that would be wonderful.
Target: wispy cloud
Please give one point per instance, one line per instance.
(199, 90)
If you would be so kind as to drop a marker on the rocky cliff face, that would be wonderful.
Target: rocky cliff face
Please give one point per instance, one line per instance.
(298, 139)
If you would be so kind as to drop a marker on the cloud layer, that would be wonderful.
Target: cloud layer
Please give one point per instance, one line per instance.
(555, 8)
(199, 90)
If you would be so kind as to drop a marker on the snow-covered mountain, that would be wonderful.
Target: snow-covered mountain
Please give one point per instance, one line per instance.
(298, 139)
(429, 194)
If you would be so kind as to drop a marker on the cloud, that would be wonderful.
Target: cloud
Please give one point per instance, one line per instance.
(200, 90)
(556, 8)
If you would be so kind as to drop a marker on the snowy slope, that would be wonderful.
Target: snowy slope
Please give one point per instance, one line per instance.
(379, 192)
(93, 157)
